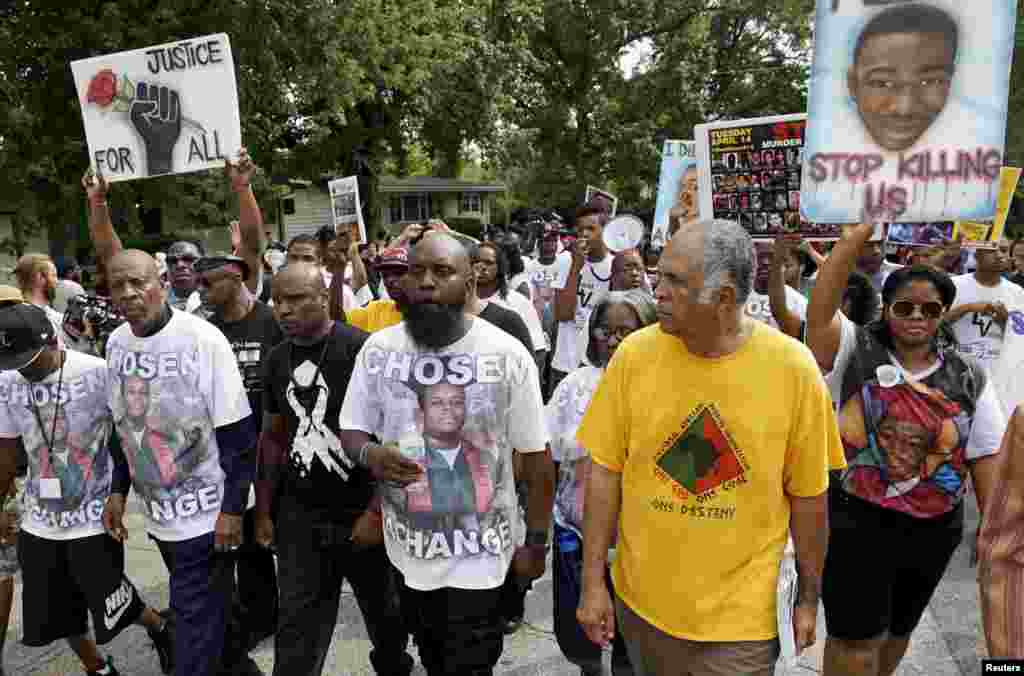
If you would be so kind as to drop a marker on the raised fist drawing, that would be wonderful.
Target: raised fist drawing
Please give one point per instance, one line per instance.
(156, 114)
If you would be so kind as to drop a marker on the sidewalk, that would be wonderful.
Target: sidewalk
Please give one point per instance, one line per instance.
(532, 651)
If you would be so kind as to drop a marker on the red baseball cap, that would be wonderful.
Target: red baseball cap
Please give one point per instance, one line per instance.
(393, 257)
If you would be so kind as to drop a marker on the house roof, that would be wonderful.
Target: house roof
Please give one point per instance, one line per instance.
(391, 184)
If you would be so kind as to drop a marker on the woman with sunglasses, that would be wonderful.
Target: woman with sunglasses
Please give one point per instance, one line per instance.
(616, 315)
(915, 418)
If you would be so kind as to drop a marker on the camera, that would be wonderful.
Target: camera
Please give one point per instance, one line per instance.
(99, 311)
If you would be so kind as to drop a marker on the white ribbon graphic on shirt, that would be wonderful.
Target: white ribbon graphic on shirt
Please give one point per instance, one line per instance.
(312, 437)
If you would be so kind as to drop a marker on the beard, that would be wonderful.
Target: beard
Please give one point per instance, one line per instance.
(430, 325)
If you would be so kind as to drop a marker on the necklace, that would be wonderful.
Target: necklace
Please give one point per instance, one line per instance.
(308, 395)
(56, 411)
(598, 277)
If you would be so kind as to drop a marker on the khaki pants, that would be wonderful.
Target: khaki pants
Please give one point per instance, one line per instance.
(655, 653)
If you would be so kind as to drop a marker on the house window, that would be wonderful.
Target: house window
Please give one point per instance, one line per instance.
(471, 203)
(409, 207)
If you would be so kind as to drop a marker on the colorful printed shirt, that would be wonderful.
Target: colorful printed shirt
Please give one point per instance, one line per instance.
(909, 436)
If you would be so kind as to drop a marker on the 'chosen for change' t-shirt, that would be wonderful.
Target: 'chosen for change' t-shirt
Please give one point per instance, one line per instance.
(458, 412)
(169, 393)
(67, 485)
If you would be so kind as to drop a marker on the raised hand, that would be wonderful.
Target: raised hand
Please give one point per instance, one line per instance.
(156, 115)
(241, 172)
(96, 187)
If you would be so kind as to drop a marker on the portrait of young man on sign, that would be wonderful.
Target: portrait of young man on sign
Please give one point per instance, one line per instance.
(907, 115)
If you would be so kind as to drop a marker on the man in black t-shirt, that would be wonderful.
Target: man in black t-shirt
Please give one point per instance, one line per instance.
(250, 327)
(327, 531)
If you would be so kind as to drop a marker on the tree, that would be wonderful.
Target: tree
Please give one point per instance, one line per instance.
(331, 83)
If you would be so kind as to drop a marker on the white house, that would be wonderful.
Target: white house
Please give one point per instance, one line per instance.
(400, 201)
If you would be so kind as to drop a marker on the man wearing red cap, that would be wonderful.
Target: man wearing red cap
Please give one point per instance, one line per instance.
(391, 264)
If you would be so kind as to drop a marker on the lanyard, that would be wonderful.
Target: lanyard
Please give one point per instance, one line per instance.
(56, 412)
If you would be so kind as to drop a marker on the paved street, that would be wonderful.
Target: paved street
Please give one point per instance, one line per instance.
(947, 643)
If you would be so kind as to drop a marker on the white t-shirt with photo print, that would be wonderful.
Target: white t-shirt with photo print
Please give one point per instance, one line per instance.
(68, 482)
(168, 394)
(459, 525)
(594, 281)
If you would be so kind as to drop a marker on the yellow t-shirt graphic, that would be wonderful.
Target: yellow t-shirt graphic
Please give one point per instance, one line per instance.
(709, 451)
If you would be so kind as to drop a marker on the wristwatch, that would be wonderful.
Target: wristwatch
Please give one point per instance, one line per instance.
(537, 538)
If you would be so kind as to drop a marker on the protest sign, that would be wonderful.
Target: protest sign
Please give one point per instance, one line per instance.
(907, 110)
(749, 172)
(168, 109)
(602, 198)
(346, 209)
(677, 190)
(920, 234)
(988, 233)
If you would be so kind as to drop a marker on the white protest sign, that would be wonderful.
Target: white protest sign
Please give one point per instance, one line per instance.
(346, 209)
(168, 109)
(678, 188)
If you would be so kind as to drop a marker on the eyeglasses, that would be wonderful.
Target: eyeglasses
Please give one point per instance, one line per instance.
(604, 333)
(174, 260)
(904, 309)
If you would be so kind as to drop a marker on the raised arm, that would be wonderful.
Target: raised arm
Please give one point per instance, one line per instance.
(250, 218)
(101, 230)
(789, 323)
(824, 325)
(565, 298)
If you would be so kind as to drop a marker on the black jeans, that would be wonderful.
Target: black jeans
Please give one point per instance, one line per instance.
(257, 584)
(314, 558)
(459, 632)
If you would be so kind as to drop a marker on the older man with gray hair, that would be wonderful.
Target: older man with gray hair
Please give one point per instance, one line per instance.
(711, 436)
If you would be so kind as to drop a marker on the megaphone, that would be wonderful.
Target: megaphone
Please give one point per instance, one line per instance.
(623, 232)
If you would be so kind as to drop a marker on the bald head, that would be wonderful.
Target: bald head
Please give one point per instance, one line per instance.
(440, 246)
(300, 302)
(134, 280)
(135, 260)
(301, 275)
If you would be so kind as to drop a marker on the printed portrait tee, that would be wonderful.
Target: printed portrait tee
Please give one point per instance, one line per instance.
(458, 412)
(68, 483)
(168, 394)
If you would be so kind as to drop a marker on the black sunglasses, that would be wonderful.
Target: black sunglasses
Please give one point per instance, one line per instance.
(173, 260)
(904, 309)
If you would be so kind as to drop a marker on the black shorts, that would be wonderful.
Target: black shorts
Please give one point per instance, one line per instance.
(882, 566)
(63, 580)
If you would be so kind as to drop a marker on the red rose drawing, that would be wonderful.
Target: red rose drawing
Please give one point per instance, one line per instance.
(102, 88)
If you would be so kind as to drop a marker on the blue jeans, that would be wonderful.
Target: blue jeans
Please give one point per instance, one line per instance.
(568, 585)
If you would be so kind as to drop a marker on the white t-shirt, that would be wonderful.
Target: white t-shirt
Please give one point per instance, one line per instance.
(595, 279)
(169, 393)
(1006, 375)
(483, 394)
(980, 335)
(522, 306)
(523, 278)
(564, 414)
(542, 278)
(68, 503)
(987, 426)
(760, 308)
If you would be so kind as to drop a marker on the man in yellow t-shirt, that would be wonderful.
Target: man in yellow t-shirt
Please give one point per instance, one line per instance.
(711, 436)
(378, 315)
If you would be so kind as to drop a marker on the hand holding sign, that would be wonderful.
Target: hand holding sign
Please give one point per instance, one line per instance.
(156, 114)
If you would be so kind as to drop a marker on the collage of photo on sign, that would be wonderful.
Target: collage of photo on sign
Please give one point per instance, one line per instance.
(754, 170)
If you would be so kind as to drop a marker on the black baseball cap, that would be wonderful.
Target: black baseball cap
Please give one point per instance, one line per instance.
(25, 331)
(208, 263)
